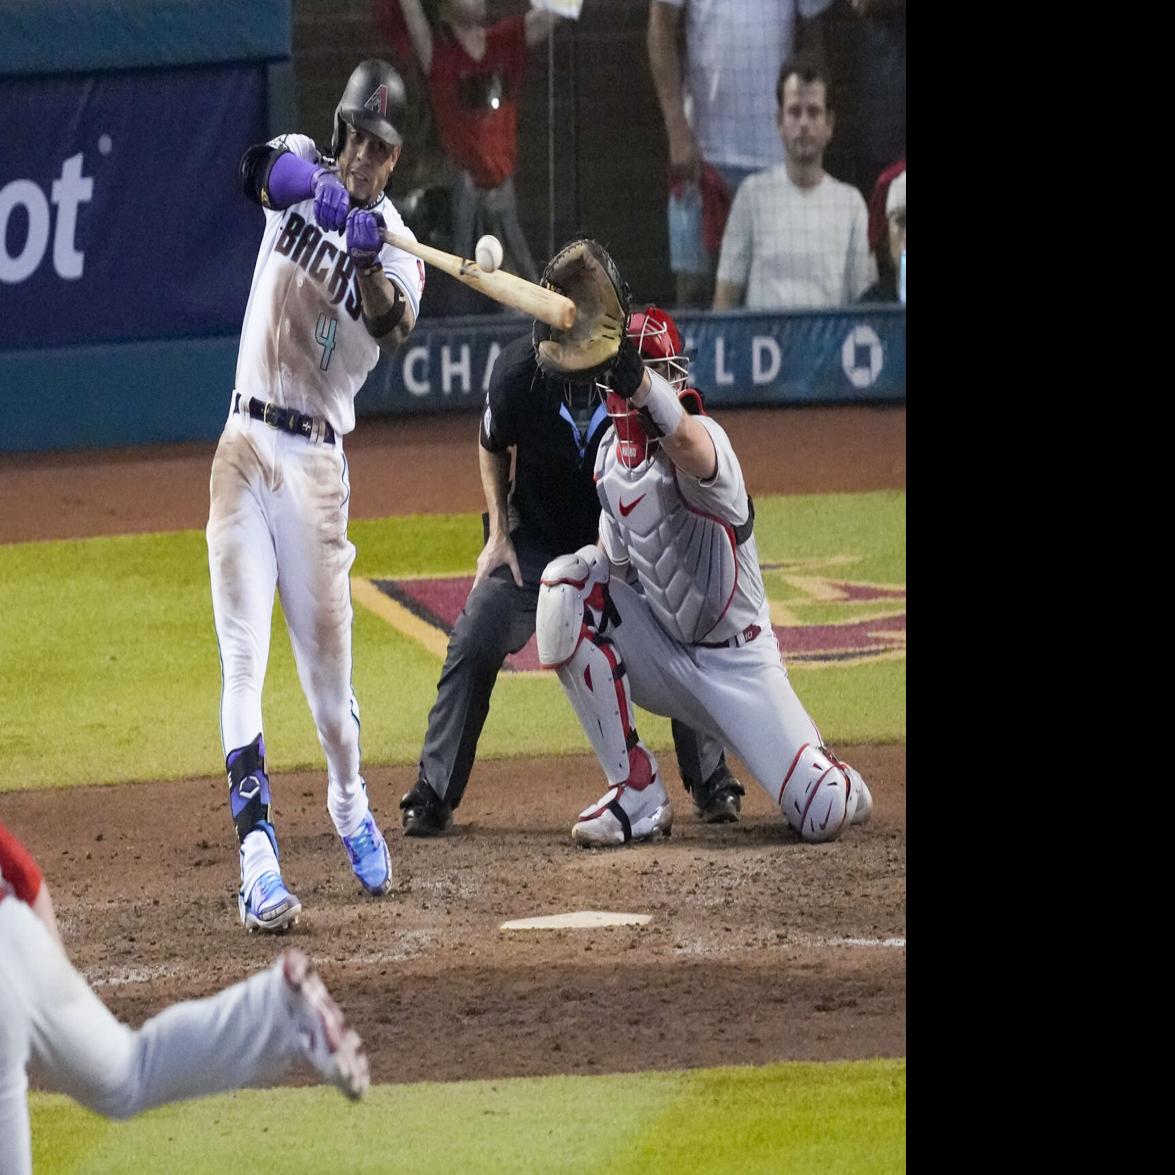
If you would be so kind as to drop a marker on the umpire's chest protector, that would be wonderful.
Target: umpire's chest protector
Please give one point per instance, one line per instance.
(686, 560)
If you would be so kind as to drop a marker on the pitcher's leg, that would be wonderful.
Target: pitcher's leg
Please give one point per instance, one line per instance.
(15, 1142)
(248, 1034)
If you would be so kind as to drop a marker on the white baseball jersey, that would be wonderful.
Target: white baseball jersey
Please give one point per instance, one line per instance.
(303, 343)
(678, 534)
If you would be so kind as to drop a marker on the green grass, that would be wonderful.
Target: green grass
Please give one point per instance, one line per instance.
(110, 670)
(799, 1118)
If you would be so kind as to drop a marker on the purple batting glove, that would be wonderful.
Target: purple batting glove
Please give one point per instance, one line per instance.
(363, 239)
(331, 201)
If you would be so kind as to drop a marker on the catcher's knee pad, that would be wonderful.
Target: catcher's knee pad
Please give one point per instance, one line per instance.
(248, 789)
(817, 796)
(596, 684)
(567, 583)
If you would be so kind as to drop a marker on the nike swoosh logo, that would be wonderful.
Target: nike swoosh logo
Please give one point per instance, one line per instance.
(625, 511)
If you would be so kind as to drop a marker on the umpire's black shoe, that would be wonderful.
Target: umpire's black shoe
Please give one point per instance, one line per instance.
(718, 801)
(425, 814)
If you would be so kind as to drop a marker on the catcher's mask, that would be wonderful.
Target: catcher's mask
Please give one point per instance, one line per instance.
(374, 101)
(659, 341)
(541, 330)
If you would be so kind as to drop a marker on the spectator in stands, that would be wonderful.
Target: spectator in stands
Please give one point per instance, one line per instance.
(718, 118)
(890, 251)
(796, 237)
(866, 55)
(474, 74)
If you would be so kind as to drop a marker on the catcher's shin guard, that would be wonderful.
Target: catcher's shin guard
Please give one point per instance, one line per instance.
(817, 795)
(596, 684)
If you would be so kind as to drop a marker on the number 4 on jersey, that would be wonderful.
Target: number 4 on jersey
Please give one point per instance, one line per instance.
(325, 334)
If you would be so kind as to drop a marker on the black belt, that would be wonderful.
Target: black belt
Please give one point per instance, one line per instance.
(745, 637)
(287, 420)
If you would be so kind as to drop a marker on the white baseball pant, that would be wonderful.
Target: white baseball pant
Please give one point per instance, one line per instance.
(278, 519)
(49, 1016)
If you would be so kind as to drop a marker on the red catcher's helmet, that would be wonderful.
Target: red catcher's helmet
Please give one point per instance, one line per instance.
(656, 336)
(659, 341)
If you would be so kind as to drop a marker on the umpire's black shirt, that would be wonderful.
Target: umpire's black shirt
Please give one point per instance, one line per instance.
(553, 495)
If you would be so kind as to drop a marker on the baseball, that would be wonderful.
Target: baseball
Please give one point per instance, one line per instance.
(488, 253)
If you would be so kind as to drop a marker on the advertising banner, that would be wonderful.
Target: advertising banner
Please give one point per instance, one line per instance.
(121, 216)
(802, 357)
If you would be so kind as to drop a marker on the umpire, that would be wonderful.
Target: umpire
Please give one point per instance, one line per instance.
(554, 428)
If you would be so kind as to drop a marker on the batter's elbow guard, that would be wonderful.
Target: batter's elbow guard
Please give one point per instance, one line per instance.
(390, 319)
(256, 164)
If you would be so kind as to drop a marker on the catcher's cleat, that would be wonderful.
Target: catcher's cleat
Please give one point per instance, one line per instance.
(327, 1041)
(370, 860)
(425, 814)
(623, 814)
(718, 800)
(270, 906)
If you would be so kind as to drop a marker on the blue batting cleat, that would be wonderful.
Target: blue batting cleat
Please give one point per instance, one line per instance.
(270, 907)
(370, 859)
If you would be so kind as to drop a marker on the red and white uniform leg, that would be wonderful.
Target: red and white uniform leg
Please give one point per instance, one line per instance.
(568, 628)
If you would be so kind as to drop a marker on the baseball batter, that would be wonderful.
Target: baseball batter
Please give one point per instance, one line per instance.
(327, 295)
(248, 1034)
(669, 611)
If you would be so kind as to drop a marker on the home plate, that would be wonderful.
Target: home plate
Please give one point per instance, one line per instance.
(577, 920)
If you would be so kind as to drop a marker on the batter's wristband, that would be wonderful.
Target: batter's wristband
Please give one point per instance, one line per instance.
(390, 319)
(662, 405)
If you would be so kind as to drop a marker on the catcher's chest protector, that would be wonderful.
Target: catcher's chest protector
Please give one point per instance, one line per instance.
(687, 561)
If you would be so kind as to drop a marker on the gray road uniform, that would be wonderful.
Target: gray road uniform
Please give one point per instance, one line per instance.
(687, 636)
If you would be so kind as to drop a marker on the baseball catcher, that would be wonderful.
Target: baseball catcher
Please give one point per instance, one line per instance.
(668, 610)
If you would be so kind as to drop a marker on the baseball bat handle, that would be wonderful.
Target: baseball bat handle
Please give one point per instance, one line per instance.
(554, 309)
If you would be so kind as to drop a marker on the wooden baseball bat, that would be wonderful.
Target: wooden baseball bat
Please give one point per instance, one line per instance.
(509, 289)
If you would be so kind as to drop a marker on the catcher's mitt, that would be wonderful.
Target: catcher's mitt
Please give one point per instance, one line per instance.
(589, 277)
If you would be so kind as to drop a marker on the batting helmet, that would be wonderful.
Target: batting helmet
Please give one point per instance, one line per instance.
(374, 101)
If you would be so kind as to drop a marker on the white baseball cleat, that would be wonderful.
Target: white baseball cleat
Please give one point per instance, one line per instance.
(624, 813)
(328, 1042)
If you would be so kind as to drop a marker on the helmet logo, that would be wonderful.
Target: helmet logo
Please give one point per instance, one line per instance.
(378, 102)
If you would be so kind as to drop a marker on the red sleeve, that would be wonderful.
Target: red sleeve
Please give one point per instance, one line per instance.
(877, 202)
(506, 42)
(18, 870)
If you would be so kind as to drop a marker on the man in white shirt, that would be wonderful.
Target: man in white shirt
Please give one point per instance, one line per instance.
(796, 238)
(714, 87)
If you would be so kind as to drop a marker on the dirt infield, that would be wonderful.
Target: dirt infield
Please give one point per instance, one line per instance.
(759, 948)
